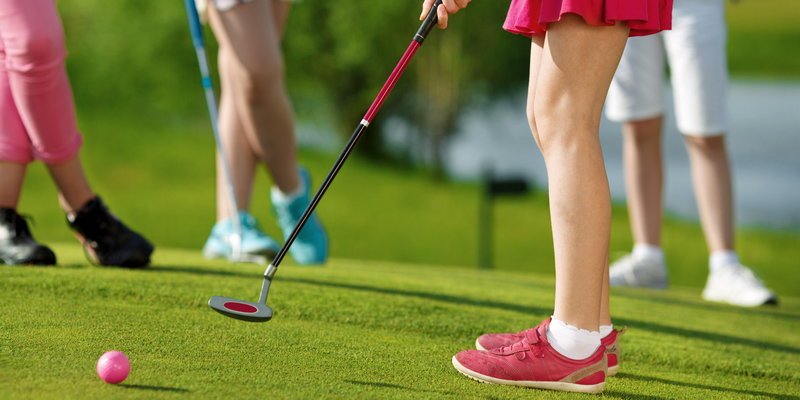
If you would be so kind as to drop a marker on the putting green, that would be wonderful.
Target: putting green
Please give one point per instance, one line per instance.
(354, 329)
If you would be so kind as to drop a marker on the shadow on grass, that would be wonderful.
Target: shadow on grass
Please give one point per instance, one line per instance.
(631, 323)
(525, 309)
(201, 271)
(155, 388)
(428, 296)
(398, 387)
(626, 395)
(709, 336)
(758, 311)
(73, 266)
(723, 390)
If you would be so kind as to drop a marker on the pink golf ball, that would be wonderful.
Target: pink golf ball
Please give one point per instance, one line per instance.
(113, 367)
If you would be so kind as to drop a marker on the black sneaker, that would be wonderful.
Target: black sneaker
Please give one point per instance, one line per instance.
(107, 240)
(17, 246)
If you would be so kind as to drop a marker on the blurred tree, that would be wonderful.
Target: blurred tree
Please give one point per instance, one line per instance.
(354, 45)
(132, 54)
(136, 55)
(349, 49)
(440, 80)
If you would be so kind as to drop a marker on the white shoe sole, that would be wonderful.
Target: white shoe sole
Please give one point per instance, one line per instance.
(561, 386)
(257, 258)
(760, 301)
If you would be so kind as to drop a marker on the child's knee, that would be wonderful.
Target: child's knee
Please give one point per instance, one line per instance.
(37, 50)
(706, 144)
(541, 115)
(560, 128)
(532, 122)
(259, 78)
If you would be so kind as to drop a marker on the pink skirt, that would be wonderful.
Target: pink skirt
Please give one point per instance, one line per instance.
(644, 17)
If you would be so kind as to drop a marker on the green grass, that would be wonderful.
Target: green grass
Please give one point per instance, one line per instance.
(159, 177)
(764, 39)
(355, 329)
(382, 320)
(399, 298)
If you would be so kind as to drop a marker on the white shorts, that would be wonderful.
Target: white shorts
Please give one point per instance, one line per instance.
(695, 50)
(221, 5)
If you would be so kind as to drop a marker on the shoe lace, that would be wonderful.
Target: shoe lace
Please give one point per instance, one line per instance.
(21, 227)
(248, 221)
(626, 267)
(625, 263)
(250, 226)
(100, 226)
(285, 215)
(524, 345)
(289, 215)
(742, 278)
(635, 269)
(518, 346)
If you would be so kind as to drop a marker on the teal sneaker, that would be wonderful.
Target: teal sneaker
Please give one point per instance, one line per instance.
(311, 245)
(254, 241)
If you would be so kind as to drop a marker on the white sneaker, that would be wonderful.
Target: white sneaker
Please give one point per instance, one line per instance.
(737, 285)
(635, 271)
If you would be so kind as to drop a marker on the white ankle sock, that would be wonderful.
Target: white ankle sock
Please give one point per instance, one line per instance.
(720, 259)
(649, 252)
(287, 198)
(571, 342)
(606, 330)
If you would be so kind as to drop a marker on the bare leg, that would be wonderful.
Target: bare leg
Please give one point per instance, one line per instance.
(536, 60)
(73, 188)
(12, 176)
(280, 12)
(711, 176)
(644, 178)
(537, 48)
(241, 157)
(605, 307)
(249, 38)
(577, 64)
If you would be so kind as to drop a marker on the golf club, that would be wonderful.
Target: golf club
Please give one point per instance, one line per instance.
(199, 46)
(260, 311)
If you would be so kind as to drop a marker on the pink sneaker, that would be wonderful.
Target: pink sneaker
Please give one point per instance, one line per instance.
(491, 341)
(611, 342)
(532, 362)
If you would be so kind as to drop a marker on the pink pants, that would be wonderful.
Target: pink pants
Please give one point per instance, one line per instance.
(37, 113)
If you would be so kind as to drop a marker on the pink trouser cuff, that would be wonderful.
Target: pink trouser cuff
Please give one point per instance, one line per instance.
(26, 155)
(19, 156)
(66, 153)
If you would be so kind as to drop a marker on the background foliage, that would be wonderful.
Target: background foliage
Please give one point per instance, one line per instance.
(149, 150)
(136, 55)
(149, 153)
(356, 330)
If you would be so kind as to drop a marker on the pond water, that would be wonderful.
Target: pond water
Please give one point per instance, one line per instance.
(763, 145)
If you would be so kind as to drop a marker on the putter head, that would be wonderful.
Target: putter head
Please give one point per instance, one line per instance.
(240, 309)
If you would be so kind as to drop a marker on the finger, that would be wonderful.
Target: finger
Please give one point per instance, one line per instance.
(441, 13)
(426, 7)
(450, 5)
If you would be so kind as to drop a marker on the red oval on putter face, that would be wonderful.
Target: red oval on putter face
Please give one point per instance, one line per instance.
(240, 307)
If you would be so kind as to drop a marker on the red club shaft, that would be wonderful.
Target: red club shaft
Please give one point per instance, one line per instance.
(389, 85)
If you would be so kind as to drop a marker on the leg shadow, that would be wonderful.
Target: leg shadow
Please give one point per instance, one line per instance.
(722, 390)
